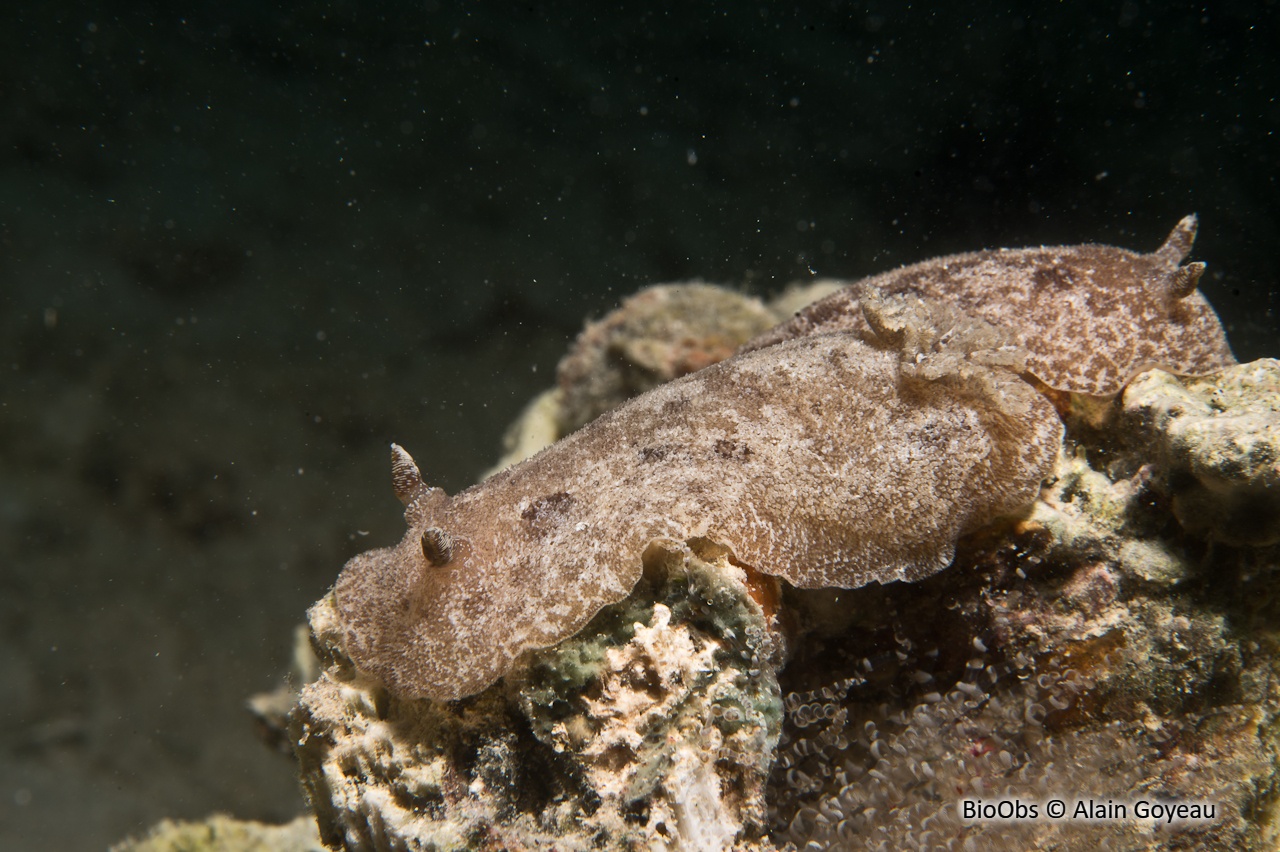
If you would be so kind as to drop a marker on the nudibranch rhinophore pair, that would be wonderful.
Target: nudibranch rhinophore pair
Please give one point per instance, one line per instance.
(855, 444)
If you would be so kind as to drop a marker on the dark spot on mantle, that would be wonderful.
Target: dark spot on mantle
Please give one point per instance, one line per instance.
(729, 449)
(655, 453)
(1053, 278)
(548, 507)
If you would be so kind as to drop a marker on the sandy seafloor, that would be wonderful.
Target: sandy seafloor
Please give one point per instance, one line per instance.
(242, 249)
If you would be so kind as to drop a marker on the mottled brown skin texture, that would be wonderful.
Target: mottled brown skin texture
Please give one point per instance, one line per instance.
(1090, 317)
(827, 461)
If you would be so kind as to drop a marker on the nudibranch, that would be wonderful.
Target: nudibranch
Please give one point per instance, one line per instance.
(1090, 317)
(832, 460)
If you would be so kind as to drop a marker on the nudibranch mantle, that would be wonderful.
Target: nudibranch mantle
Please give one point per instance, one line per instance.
(831, 460)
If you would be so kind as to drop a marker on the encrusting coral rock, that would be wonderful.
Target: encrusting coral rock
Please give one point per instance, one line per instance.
(826, 461)
(652, 728)
(1218, 447)
(1090, 317)
(1052, 661)
(223, 834)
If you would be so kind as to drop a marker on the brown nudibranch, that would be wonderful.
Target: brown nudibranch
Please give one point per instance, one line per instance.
(830, 460)
(1090, 317)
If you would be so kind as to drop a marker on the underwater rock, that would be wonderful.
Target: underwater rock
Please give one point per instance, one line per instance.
(1217, 447)
(224, 834)
(1090, 317)
(535, 428)
(826, 461)
(652, 728)
(1106, 654)
(1038, 667)
(271, 709)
